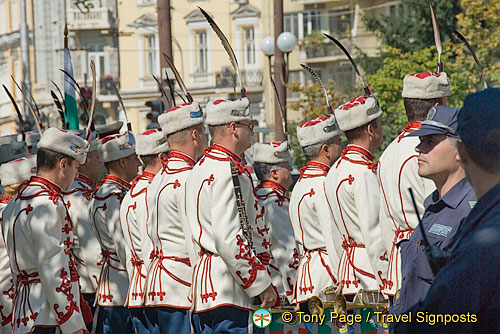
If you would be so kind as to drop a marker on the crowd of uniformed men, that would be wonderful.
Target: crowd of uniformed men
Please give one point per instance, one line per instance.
(187, 242)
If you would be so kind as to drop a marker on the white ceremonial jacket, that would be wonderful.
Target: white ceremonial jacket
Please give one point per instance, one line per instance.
(105, 218)
(86, 247)
(6, 281)
(39, 237)
(353, 194)
(398, 171)
(314, 232)
(170, 272)
(228, 271)
(133, 214)
(284, 251)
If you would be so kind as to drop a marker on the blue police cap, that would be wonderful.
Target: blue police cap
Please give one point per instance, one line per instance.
(440, 120)
(479, 117)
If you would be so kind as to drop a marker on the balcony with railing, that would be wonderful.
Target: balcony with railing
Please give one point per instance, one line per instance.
(93, 19)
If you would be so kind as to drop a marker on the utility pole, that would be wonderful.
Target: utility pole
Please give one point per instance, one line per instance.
(279, 70)
(165, 36)
(25, 54)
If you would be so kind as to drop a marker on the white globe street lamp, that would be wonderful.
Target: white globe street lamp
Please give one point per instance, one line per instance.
(286, 42)
(267, 45)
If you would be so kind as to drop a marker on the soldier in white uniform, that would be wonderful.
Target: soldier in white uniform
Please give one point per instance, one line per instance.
(117, 152)
(309, 212)
(271, 162)
(170, 273)
(38, 231)
(85, 247)
(352, 190)
(228, 274)
(398, 170)
(152, 148)
(12, 173)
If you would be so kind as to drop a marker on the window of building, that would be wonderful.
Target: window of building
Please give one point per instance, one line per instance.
(313, 21)
(150, 50)
(249, 45)
(343, 76)
(201, 51)
(291, 23)
(339, 22)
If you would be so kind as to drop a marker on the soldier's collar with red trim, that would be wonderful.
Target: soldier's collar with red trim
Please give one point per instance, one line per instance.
(46, 182)
(272, 185)
(314, 166)
(182, 156)
(367, 157)
(84, 178)
(114, 179)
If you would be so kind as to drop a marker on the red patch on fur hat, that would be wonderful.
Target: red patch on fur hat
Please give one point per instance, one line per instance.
(354, 102)
(314, 121)
(424, 75)
(108, 138)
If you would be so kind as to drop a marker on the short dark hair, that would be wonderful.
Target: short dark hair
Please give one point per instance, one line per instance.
(263, 170)
(216, 130)
(312, 151)
(149, 160)
(47, 159)
(359, 132)
(486, 153)
(417, 109)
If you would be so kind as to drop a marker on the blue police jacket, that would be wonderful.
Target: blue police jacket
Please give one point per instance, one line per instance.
(441, 220)
(466, 289)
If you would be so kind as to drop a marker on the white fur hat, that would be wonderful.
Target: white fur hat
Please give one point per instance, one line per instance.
(224, 111)
(271, 153)
(151, 142)
(357, 112)
(12, 151)
(65, 142)
(317, 130)
(180, 117)
(8, 139)
(16, 171)
(32, 138)
(114, 147)
(426, 85)
(94, 139)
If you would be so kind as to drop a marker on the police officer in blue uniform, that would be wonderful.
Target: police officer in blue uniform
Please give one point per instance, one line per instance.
(449, 204)
(466, 288)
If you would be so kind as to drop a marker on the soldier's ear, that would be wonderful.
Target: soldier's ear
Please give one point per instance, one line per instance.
(462, 153)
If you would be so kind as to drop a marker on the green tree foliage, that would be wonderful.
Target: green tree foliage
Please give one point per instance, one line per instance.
(410, 28)
(311, 104)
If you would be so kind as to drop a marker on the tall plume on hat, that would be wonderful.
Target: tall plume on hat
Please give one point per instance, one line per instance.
(437, 39)
(366, 88)
(473, 53)
(228, 48)
(316, 78)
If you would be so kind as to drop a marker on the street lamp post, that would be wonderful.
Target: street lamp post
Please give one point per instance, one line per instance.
(286, 42)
